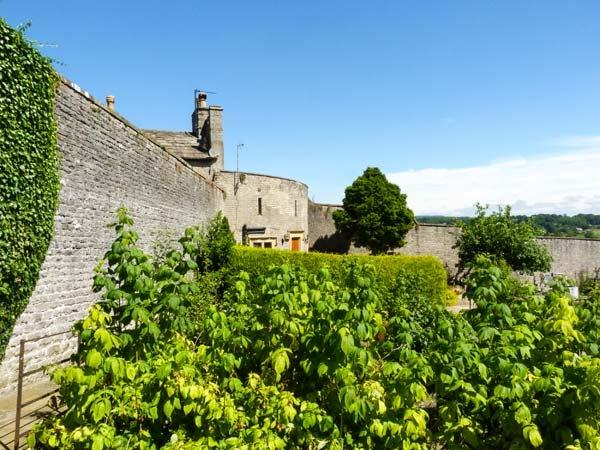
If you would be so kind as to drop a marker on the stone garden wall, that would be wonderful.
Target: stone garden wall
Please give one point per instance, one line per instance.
(571, 256)
(106, 163)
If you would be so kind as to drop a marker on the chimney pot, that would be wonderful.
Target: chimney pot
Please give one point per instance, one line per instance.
(202, 100)
(110, 102)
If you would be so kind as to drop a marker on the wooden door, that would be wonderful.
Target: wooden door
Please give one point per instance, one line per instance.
(295, 244)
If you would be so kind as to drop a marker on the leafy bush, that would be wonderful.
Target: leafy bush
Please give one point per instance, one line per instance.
(500, 236)
(211, 244)
(297, 358)
(29, 182)
(451, 297)
(295, 365)
(395, 275)
(588, 284)
(588, 312)
(512, 372)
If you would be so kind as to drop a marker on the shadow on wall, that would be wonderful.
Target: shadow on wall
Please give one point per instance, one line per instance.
(332, 243)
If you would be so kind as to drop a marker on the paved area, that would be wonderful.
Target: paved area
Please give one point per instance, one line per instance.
(29, 413)
(460, 305)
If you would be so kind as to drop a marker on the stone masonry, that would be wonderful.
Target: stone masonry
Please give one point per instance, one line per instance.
(106, 163)
(284, 205)
(572, 256)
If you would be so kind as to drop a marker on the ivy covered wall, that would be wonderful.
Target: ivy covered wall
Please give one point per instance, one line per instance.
(29, 180)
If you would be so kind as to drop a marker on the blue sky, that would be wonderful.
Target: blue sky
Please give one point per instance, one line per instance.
(319, 90)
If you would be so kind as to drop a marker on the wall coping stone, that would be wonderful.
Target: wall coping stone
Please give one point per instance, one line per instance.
(335, 205)
(568, 238)
(265, 175)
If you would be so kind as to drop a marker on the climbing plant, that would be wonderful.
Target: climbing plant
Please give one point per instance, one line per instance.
(29, 181)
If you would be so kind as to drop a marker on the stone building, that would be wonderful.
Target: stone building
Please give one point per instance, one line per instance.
(202, 148)
(263, 210)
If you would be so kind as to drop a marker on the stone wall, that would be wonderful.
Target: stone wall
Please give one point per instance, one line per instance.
(571, 256)
(284, 207)
(422, 240)
(437, 240)
(106, 163)
(322, 234)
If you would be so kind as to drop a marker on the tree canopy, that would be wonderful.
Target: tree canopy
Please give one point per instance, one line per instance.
(374, 214)
(500, 236)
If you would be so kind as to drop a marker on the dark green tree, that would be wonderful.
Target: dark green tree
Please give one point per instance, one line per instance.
(375, 214)
(499, 235)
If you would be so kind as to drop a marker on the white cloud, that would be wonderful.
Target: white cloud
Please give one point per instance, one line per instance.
(578, 141)
(564, 183)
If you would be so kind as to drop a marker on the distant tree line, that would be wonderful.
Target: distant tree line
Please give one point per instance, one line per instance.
(580, 225)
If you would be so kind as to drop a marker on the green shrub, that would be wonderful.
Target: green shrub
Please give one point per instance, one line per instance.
(516, 371)
(588, 284)
(500, 236)
(300, 360)
(297, 363)
(451, 297)
(211, 245)
(29, 181)
(397, 276)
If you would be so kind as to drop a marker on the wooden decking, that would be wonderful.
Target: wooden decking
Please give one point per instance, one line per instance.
(36, 398)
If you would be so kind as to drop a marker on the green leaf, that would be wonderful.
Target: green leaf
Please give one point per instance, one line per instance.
(522, 415)
(532, 434)
(93, 359)
(482, 371)
(130, 373)
(97, 442)
(188, 408)
(168, 408)
(98, 411)
(347, 344)
(280, 361)
(163, 371)
(322, 369)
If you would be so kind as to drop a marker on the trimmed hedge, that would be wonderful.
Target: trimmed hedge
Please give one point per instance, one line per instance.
(29, 180)
(402, 274)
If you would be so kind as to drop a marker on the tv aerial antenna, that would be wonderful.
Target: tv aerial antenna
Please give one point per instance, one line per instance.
(197, 91)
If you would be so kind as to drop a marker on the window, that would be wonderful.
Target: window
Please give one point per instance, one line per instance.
(295, 207)
(259, 206)
(263, 242)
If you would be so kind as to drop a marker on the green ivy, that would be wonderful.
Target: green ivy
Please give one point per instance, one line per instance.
(29, 181)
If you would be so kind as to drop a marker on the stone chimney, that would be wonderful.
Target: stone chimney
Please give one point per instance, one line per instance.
(110, 102)
(207, 126)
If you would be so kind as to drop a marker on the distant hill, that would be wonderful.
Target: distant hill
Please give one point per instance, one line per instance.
(580, 225)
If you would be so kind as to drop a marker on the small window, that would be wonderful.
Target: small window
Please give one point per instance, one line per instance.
(268, 245)
(259, 206)
(296, 207)
(257, 244)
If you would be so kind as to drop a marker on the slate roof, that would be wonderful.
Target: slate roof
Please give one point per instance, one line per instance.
(180, 143)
